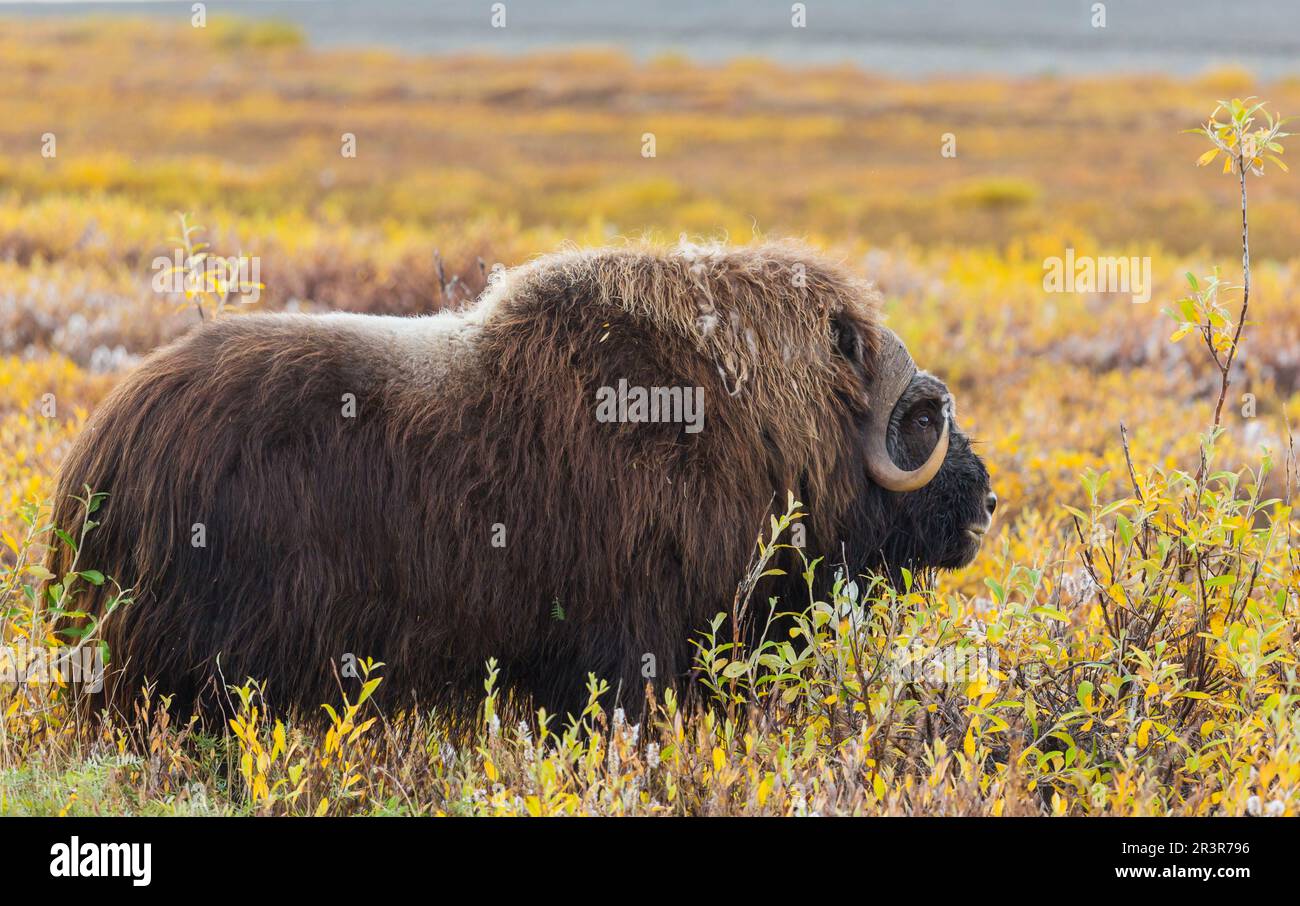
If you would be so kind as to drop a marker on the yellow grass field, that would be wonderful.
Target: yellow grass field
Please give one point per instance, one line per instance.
(1143, 623)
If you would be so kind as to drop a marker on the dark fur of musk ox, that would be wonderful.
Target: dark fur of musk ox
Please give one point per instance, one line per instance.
(425, 491)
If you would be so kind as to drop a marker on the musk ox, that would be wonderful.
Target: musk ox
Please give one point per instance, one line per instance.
(525, 479)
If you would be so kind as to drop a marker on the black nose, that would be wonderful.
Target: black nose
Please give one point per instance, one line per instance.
(991, 502)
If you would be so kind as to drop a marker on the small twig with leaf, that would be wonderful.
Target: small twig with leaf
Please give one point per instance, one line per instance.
(1245, 149)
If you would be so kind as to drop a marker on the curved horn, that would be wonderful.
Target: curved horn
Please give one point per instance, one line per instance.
(895, 371)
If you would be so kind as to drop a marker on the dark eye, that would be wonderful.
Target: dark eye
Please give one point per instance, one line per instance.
(924, 420)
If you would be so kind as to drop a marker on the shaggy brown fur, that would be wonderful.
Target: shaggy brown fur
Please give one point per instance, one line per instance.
(329, 535)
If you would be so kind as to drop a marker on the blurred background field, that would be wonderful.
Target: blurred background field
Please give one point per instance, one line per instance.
(465, 160)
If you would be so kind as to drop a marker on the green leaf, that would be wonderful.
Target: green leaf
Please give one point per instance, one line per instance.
(1084, 692)
(1125, 529)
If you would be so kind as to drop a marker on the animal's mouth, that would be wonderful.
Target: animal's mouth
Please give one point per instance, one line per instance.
(968, 549)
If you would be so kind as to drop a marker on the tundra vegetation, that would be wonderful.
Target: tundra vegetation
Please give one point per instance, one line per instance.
(1131, 620)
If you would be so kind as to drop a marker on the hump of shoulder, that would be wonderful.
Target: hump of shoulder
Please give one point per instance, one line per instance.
(685, 288)
(761, 313)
